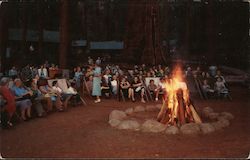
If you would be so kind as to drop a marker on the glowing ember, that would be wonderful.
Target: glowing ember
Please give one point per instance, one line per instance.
(176, 108)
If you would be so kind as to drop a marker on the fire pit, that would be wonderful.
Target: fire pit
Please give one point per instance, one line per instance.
(177, 108)
(177, 113)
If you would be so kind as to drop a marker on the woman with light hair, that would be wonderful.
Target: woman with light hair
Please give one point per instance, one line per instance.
(23, 98)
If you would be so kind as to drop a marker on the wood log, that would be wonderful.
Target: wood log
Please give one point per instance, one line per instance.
(181, 109)
(196, 117)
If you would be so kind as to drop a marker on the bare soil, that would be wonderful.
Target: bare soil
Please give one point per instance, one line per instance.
(84, 132)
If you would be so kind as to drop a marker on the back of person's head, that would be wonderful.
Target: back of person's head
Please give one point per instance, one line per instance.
(4, 81)
(54, 83)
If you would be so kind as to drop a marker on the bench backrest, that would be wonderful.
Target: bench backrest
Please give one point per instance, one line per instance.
(62, 83)
(156, 79)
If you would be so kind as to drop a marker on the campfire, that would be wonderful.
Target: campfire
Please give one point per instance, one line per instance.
(177, 108)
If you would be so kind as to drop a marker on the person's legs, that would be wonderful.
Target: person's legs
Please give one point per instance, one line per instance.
(28, 111)
(131, 94)
(157, 94)
(23, 114)
(28, 108)
(65, 103)
(39, 108)
(59, 103)
(49, 104)
(98, 100)
(142, 95)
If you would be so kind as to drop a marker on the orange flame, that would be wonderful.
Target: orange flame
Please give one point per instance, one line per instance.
(172, 86)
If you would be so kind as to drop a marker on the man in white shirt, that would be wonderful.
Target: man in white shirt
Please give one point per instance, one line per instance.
(114, 85)
(42, 72)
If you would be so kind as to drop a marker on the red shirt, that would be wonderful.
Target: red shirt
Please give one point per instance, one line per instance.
(10, 98)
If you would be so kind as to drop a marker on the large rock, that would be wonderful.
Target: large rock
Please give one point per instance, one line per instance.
(114, 122)
(206, 111)
(129, 111)
(223, 122)
(151, 108)
(227, 115)
(172, 130)
(207, 128)
(217, 125)
(158, 106)
(116, 114)
(139, 109)
(190, 128)
(129, 124)
(213, 116)
(153, 126)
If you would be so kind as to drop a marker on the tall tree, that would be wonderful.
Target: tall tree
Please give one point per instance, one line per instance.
(153, 51)
(64, 33)
(40, 24)
(3, 35)
(189, 18)
(135, 27)
(210, 31)
(24, 26)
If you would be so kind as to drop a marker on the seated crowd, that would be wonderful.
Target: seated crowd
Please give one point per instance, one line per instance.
(29, 92)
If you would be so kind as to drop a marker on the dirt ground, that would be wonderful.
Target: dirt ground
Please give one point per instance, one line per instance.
(84, 132)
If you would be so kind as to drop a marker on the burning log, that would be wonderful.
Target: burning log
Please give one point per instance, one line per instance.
(177, 108)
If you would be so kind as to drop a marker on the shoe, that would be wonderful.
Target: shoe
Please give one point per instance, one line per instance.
(156, 99)
(9, 124)
(98, 101)
(60, 110)
(143, 101)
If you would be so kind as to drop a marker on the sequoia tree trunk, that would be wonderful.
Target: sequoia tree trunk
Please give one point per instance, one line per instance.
(40, 8)
(64, 33)
(211, 32)
(134, 39)
(3, 35)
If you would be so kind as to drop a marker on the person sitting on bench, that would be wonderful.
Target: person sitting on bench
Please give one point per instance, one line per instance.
(220, 87)
(153, 89)
(207, 88)
(23, 98)
(63, 96)
(138, 88)
(126, 89)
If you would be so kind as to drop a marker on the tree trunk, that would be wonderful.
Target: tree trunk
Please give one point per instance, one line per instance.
(24, 26)
(64, 33)
(187, 40)
(40, 8)
(3, 35)
(134, 39)
(211, 32)
(152, 53)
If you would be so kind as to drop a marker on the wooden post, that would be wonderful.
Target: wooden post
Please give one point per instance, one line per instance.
(64, 33)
